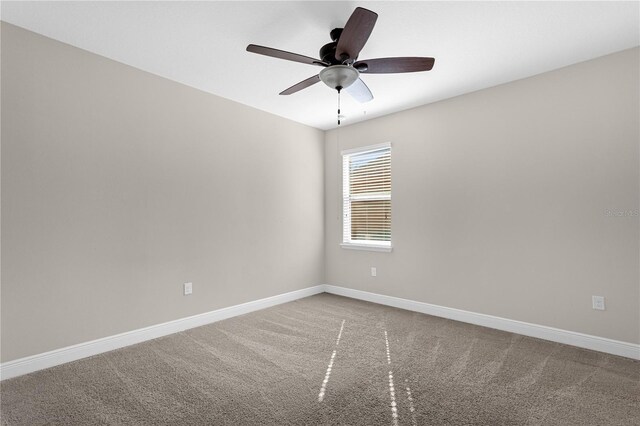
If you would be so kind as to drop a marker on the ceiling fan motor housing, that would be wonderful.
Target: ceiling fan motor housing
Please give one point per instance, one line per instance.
(335, 34)
(328, 51)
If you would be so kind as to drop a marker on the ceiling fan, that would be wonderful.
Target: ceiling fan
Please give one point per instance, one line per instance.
(340, 59)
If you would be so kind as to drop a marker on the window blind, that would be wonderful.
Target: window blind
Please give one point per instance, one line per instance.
(367, 196)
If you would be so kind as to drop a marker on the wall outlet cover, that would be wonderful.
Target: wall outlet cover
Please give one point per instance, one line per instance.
(188, 288)
(598, 302)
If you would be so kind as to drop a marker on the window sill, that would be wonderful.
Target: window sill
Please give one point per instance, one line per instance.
(366, 247)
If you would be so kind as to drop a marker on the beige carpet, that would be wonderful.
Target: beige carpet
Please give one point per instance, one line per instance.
(292, 365)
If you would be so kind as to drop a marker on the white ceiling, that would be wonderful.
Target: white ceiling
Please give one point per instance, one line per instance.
(202, 44)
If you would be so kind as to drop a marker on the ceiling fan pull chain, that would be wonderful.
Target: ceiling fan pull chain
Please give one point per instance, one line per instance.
(338, 107)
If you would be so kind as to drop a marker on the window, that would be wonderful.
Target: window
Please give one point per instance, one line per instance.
(366, 198)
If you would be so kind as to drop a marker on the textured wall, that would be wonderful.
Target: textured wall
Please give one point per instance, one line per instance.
(118, 186)
(505, 200)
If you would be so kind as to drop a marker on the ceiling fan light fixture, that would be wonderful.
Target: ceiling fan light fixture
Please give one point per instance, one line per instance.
(341, 76)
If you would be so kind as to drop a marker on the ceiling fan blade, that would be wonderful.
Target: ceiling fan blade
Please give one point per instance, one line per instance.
(394, 65)
(359, 91)
(302, 85)
(355, 34)
(281, 54)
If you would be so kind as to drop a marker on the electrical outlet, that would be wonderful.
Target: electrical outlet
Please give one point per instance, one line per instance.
(598, 302)
(373, 271)
(188, 288)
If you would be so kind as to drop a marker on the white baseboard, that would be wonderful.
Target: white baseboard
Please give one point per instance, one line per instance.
(72, 353)
(601, 344)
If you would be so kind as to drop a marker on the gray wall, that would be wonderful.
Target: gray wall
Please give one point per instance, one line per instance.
(499, 200)
(118, 186)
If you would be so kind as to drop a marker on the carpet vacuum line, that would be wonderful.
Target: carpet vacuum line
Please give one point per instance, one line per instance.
(412, 409)
(392, 390)
(323, 388)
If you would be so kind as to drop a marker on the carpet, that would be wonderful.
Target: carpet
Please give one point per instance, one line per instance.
(330, 360)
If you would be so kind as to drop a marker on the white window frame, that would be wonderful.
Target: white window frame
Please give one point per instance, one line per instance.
(347, 242)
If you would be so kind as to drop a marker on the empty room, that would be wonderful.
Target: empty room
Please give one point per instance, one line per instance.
(320, 213)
